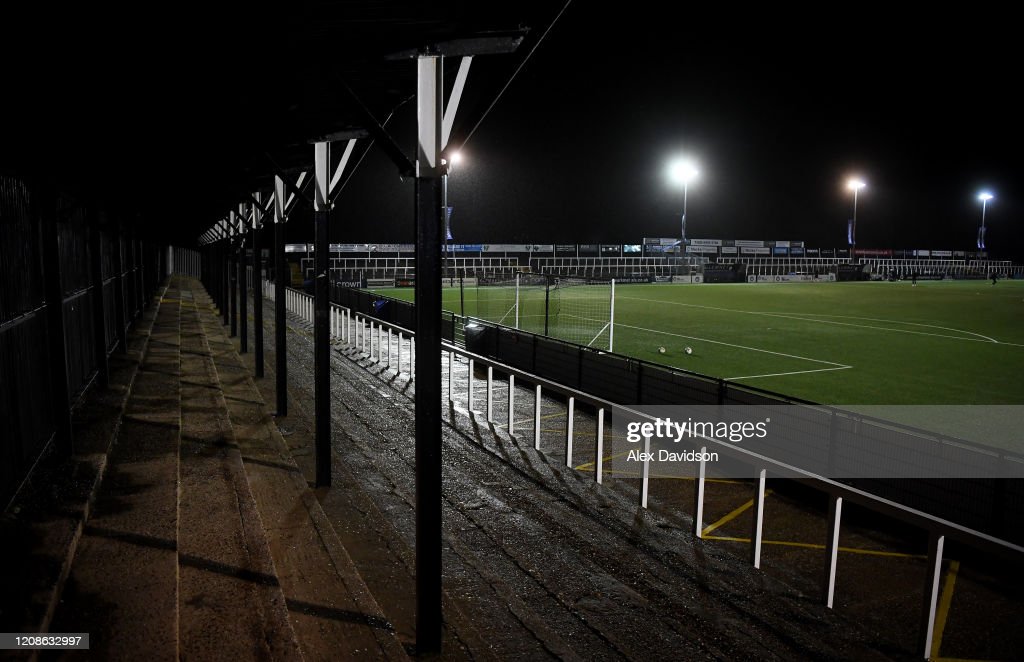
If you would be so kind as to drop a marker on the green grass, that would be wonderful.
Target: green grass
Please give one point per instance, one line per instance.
(836, 343)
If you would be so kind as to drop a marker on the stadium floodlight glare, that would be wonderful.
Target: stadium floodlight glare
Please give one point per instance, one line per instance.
(984, 196)
(854, 184)
(453, 158)
(682, 171)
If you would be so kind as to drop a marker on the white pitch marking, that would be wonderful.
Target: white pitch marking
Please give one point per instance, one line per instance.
(804, 319)
(729, 344)
(873, 319)
(780, 374)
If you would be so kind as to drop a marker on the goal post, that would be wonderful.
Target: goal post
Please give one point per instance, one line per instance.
(582, 310)
(577, 309)
(611, 318)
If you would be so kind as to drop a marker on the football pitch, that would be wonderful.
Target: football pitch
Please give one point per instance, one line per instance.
(869, 343)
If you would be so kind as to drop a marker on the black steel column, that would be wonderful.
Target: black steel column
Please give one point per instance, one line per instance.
(143, 295)
(429, 224)
(99, 327)
(257, 291)
(224, 270)
(281, 278)
(134, 259)
(233, 275)
(120, 314)
(46, 210)
(243, 295)
(321, 338)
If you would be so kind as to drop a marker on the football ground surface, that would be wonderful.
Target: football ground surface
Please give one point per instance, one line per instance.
(847, 344)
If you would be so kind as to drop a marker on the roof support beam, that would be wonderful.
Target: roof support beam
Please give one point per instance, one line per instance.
(297, 187)
(453, 100)
(377, 132)
(341, 166)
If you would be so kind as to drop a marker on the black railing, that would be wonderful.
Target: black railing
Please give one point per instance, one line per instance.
(29, 376)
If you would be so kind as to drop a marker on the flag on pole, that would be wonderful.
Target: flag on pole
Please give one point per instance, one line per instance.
(849, 232)
(448, 223)
(981, 238)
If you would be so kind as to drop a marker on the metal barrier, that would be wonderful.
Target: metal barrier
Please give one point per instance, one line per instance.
(361, 331)
(380, 341)
(71, 283)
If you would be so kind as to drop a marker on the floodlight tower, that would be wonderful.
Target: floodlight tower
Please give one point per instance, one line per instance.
(682, 171)
(854, 185)
(454, 158)
(984, 196)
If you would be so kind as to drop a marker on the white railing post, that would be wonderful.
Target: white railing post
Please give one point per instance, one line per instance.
(931, 590)
(399, 352)
(412, 358)
(389, 346)
(599, 462)
(451, 365)
(490, 388)
(758, 525)
(469, 398)
(835, 514)
(698, 518)
(646, 472)
(536, 419)
(511, 403)
(568, 431)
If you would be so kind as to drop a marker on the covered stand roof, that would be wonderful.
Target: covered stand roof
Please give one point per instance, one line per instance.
(169, 117)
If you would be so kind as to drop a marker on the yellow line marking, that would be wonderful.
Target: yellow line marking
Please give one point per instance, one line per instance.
(731, 516)
(955, 659)
(636, 474)
(945, 600)
(810, 545)
(588, 465)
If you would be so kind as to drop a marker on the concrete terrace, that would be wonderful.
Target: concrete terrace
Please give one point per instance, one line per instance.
(187, 529)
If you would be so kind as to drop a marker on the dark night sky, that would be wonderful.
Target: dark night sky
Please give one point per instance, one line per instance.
(777, 110)
(779, 107)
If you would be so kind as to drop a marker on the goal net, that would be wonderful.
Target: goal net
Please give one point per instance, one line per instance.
(582, 311)
(579, 310)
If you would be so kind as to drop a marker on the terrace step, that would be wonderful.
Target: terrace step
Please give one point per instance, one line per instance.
(173, 561)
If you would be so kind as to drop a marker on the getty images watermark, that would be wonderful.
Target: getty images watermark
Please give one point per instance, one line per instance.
(676, 431)
(885, 441)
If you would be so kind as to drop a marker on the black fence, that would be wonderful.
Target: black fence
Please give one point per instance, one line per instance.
(92, 259)
(993, 506)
